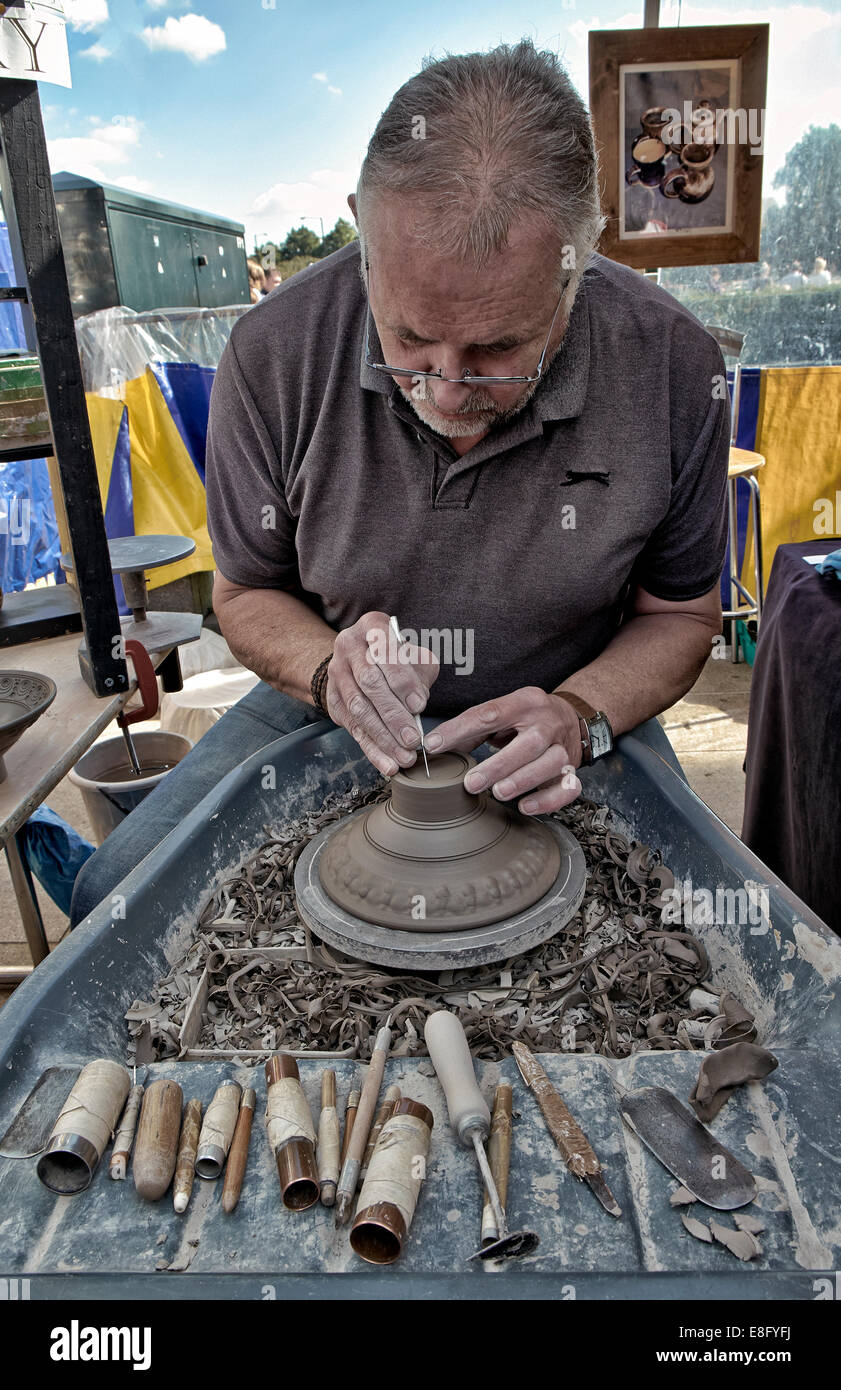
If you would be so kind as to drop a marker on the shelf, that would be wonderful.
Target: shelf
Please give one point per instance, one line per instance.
(19, 453)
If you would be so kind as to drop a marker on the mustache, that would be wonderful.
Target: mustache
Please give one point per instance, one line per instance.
(479, 400)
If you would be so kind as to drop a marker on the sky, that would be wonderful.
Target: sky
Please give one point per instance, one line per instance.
(260, 110)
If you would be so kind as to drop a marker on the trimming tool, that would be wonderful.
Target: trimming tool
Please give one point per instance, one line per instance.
(573, 1144)
(395, 627)
(471, 1120)
(352, 1162)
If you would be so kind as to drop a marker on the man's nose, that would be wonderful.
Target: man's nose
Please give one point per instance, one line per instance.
(449, 396)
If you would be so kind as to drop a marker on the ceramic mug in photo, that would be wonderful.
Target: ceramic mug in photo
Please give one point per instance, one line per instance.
(648, 154)
(655, 120)
(695, 156)
(689, 185)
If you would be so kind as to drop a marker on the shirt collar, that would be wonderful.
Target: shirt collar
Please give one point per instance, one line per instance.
(561, 394)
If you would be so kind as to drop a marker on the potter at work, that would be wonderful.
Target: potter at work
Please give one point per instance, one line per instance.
(441, 421)
(423, 972)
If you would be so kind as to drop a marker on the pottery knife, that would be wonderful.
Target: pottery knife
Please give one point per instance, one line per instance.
(571, 1140)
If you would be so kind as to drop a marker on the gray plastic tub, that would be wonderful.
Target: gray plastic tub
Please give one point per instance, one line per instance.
(104, 1242)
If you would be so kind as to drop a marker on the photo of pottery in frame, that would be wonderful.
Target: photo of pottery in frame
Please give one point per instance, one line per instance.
(679, 120)
(677, 174)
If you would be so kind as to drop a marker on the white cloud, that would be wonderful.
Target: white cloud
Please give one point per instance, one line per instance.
(97, 51)
(102, 153)
(322, 77)
(86, 14)
(199, 38)
(323, 193)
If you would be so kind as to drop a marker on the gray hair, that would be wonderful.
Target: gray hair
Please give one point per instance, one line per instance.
(486, 139)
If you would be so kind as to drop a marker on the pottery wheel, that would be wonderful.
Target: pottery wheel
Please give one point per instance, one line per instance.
(435, 877)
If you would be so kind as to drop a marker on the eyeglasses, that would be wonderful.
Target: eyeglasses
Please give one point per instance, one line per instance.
(467, 378)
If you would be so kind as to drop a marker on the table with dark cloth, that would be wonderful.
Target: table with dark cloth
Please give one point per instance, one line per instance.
(793, 792)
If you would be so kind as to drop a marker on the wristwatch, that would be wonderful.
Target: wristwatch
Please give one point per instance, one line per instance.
(596, 733)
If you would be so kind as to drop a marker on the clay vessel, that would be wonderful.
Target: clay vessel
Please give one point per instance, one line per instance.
(434, 857)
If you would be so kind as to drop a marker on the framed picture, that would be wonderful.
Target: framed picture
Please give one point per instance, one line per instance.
(679, 119)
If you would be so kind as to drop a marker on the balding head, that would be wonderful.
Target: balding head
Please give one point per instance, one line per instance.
(481, 144)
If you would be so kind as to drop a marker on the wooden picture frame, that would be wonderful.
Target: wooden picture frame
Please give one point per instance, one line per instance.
(679, 200)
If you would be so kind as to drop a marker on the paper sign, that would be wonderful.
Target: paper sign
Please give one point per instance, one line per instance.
(35, 48)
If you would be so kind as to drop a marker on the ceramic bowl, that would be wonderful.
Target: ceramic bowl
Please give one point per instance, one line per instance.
(24, 695)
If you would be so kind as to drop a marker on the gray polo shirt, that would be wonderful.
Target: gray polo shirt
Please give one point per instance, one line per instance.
(515, 559)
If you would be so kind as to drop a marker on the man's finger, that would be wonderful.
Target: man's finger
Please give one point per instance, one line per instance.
(382, 703)
(507, 782)
(465, 731)
(553, 796)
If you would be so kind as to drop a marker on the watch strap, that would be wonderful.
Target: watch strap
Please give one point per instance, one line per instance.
(581, 707)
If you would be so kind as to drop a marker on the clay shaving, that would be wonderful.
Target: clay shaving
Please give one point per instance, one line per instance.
(614, 981)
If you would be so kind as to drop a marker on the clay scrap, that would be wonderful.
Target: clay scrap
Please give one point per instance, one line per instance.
(722, 1072)
(615, 981)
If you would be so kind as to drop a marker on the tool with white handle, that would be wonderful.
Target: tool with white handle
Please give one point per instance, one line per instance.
(471, 1120)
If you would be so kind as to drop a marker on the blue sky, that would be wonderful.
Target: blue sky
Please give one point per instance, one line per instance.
(262, 111)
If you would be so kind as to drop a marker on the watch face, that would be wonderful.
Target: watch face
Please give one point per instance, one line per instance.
(600, 737)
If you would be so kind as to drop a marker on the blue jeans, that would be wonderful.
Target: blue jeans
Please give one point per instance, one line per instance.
(260, 717)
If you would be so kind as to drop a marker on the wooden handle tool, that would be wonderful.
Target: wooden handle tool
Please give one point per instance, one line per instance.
(238, 1154)
(328, 1148)
(118, 1166)
(185, 1167)
(471, 1120)
(499, 1158)
(156, 1145)
(390, 1099)
(352, 1162)
(350, 1119)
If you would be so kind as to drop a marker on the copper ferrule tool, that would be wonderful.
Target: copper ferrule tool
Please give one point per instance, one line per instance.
(379, 1231)
(297, 1169)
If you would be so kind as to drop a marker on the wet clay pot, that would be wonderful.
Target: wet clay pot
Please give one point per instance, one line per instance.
(434, 857)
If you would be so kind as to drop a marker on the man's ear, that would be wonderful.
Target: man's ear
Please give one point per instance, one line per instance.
(351, 202)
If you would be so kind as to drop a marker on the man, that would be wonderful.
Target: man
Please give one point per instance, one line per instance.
(467, 420)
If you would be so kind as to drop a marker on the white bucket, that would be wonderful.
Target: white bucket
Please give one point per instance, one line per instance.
(107, 801)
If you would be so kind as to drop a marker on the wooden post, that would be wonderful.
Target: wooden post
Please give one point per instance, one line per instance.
(39, 265)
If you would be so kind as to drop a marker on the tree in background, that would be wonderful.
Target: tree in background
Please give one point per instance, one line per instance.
(341, 235)
(300, 242)
(808, 223)
(303, 246)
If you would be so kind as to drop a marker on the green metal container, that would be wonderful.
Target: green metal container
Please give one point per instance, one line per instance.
(126, 248)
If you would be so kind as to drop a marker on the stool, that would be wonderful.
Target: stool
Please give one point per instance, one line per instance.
(743, 464)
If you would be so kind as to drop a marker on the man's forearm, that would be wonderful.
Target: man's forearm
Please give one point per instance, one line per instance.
(275, 635)
(651, 662)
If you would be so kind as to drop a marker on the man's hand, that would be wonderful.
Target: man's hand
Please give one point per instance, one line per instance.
(540, 748)
(374, 688)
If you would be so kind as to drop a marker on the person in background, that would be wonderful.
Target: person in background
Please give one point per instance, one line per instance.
(273, 279)
(763, 277)
(795, 280)
(820, 275)
(256, 280)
